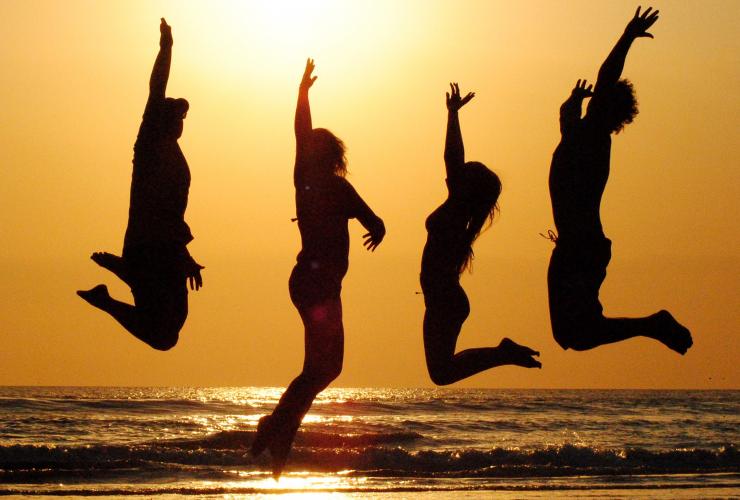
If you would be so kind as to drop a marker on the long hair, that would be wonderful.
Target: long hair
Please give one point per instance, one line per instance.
(481, 189)
(329, 152)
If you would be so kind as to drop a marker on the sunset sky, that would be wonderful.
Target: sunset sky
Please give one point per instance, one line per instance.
(73, 87)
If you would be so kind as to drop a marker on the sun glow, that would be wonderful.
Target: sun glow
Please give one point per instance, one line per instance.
(244, 37)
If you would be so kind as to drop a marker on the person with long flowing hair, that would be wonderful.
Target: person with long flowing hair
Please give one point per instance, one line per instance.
(325, 201)
(453, 227)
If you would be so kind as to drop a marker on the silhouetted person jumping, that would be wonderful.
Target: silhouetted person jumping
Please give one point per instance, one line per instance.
(578, 175)
(452, 228)
(155, 261)
(325, 201)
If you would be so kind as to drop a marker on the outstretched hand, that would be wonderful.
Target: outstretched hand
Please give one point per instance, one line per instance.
(374, 236)
(454, 101)
(638, 25)
(308, 80)
(165, 34)
(192, 273)
(581, 91)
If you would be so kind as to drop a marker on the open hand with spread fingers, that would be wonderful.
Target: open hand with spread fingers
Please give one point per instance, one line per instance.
(581, 90)
(454, 101)
(638, 25)
(308, 80)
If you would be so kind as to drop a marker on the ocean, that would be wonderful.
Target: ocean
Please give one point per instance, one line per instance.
(372, 443)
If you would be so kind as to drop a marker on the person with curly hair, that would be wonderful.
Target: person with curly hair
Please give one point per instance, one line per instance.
(578, 176)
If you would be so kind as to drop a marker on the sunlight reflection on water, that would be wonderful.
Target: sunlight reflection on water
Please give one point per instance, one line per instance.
(361, 441)
(303, 481)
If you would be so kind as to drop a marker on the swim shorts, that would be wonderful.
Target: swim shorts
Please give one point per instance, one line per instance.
(574, 277)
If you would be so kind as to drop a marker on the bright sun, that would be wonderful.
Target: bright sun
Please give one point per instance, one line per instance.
(290, 30)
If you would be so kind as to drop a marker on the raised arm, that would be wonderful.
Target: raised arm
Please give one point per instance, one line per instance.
(454, 149)
(303, 126)
(161, 70)
(570, 111)
(612, 68)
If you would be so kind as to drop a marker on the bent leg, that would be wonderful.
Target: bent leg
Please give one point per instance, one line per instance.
(115, 264)
(156, 319)
(324, 352)
(661, 326)
(125, 314)
(443, 320)
(161, 314)
(447, 367)
(577, 316)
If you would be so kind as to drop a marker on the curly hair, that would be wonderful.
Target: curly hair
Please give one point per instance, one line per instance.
(622, 105)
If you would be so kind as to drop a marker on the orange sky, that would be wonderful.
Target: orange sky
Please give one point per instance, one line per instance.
(73, 87)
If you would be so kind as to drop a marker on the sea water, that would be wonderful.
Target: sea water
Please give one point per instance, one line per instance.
(390, 443)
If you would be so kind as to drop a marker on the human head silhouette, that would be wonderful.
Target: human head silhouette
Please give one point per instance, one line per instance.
(173, 115)
(480, 187)
(328, 152)
(620, 105)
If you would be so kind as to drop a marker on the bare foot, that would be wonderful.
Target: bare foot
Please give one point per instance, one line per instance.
(96, 296)
(105, 259)
(518, 355)
(280, 446)
(263, 436)
(275, 437)
(112, 263)
(673, 334)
